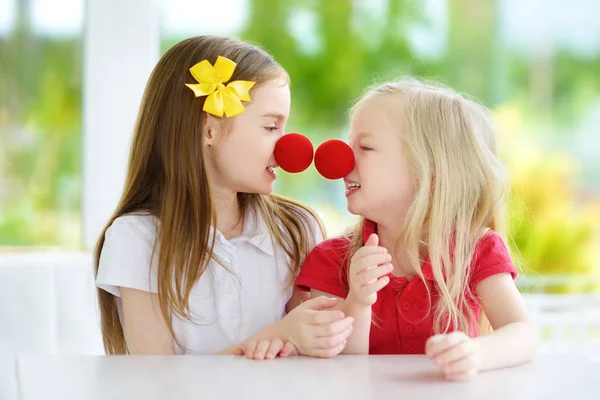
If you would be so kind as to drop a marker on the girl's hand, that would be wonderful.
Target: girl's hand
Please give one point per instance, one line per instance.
(261, 349)
(315, 329)
(456, 354)
(367, 273)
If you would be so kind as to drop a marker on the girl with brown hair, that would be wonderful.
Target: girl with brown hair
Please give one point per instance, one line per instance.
(199, 255)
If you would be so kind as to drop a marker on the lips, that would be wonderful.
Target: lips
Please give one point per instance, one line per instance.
(351, 187)
(271, 171)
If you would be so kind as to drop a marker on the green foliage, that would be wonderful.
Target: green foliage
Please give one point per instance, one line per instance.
(332, 50)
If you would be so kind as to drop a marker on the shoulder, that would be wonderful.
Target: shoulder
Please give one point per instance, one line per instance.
(491, 257)
(126, 258)
(135, 228)
(324, 270)
(491, 249)
(335, 250)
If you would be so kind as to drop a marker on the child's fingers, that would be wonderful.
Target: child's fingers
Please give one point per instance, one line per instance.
(261, 349)
(372, 240)
(332, 328)
(250, 347)
(376, 286)
(434, 343)
(460, 366)
(372, 261)
(274, 348)
(333, 341)
(455, 353)
(368, 251)
(440, 343)
(238, 352)
(328, 353)
(462, 370)
(326, 316)
(370, 275)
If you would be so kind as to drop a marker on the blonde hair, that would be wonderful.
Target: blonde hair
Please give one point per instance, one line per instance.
(167, 178)
(449, 141)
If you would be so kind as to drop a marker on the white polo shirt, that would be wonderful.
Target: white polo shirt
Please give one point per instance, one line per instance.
(226, 308)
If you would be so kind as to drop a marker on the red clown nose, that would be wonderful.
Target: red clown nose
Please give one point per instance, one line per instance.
(334, 159)
(294, 152)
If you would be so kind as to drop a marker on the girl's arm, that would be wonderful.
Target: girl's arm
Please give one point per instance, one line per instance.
(358, 341)
(514, 340)
(144, 327)
(314, 328)
(251, 347)
(298, 297)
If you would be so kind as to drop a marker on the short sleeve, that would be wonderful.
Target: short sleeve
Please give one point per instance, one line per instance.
(125, 260)
(322, 269)
(491, 258)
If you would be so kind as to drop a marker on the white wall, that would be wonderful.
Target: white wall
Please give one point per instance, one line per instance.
(121, 46)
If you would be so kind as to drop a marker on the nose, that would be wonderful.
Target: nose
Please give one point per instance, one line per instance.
(334, 159)
(294, 152)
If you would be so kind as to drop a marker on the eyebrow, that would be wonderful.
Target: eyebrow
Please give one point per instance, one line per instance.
(274, 115)
(361, 135)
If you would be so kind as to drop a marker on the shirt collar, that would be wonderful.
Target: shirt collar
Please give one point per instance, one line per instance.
(255, 232)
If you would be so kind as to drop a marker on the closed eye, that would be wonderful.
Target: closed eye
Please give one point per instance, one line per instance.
(365, 148)
(271, 128)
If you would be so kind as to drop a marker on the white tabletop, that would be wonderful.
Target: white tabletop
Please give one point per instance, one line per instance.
(344, 377)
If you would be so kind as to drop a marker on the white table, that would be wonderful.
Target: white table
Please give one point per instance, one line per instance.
(344, 377)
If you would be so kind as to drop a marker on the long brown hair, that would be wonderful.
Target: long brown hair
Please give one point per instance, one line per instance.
(167, 178)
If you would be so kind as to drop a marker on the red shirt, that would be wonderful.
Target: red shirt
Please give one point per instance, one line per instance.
(402, 320)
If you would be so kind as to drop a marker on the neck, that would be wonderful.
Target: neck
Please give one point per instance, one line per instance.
(229, 217)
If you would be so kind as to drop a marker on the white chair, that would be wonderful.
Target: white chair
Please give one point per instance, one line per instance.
(48, 304)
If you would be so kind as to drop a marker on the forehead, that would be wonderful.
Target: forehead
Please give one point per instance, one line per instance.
(271, 97)
(371, 120)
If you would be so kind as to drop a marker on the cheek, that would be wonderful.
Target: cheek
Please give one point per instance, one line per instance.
(231, 159)
(257, 143)
(374, 171)
(390, 181)
(231, 151)
(241, 149)
(249, 155)
(404, 186)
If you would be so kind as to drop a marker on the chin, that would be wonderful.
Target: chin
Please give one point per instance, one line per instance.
(255, 186)
(260, 189)
(265, 191)
(352, 208)
(356, 209)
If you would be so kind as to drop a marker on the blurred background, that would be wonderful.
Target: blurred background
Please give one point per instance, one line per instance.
(65, 67)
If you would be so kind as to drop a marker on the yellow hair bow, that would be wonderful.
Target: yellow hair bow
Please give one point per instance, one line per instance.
(221, 99)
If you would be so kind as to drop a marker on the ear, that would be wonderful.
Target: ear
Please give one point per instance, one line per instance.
(211, 129)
